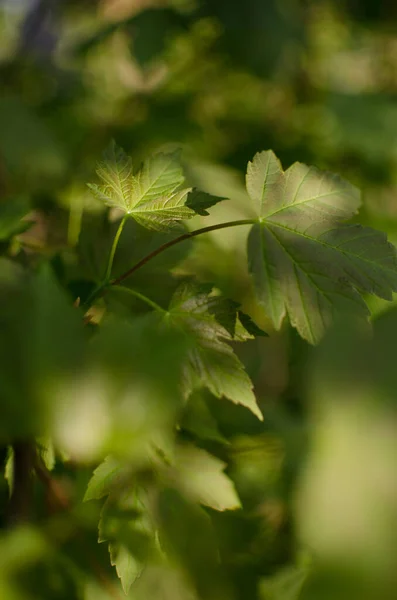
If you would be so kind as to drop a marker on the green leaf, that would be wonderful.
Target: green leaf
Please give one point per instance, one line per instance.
(197, 419)
(12, 213)
(211, 361)
(127, 567)
(304, 261)
(285, 585)
(201, 477)
(248, 327)
(152, 196)
(125, 524)
(186, 534)
(104, 479)
(200, 201)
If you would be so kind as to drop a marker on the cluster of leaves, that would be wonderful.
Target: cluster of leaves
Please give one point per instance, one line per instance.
(139, 393)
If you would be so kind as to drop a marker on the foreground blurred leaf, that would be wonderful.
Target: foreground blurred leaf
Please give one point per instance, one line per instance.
(186, 534)
(304, 261)
(35, 315)
(211, 362)
(151, 196)
(285, 585)
(11, 215)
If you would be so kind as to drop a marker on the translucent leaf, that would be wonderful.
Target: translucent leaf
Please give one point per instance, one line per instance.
(152, 196)
(200, 201)
(211, 361)
(162, 213)
(304, 261)
(202, 478)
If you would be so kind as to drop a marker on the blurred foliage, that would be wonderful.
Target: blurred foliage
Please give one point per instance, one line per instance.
(301, 505)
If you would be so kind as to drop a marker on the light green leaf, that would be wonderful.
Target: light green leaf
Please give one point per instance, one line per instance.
(304, 261)
(211, 361)
(200, 201)
(163, 213)
(104, 479)
(152, 196)
(200, 476)
(127, 567)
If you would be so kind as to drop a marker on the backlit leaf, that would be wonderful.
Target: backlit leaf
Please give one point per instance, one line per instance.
(304, 261)
(152, 195)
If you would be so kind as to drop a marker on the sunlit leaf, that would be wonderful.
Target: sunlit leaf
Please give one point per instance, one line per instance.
(152, 195)
(305, 262)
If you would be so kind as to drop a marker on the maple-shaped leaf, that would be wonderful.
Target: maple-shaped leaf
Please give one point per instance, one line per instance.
(152, 196)
(304, 260)
(211, 361)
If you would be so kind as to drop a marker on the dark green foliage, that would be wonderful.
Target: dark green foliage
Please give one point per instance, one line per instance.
(197, 376)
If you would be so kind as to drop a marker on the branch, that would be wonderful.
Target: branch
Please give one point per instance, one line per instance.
(181, 238)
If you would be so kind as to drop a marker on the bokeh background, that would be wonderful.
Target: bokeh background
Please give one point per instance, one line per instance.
(315, 81)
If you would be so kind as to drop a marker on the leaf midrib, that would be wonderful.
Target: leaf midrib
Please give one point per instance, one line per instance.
(311, 199)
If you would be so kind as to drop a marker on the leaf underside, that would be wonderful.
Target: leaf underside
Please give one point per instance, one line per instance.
(305, 262)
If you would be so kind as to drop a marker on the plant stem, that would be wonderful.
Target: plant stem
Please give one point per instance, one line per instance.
(145, 299)
(114, 247)
(181, 238)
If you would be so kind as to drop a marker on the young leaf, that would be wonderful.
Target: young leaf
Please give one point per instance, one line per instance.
(304, 261)
(211, 361)
(200, 201)
(152, 196)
